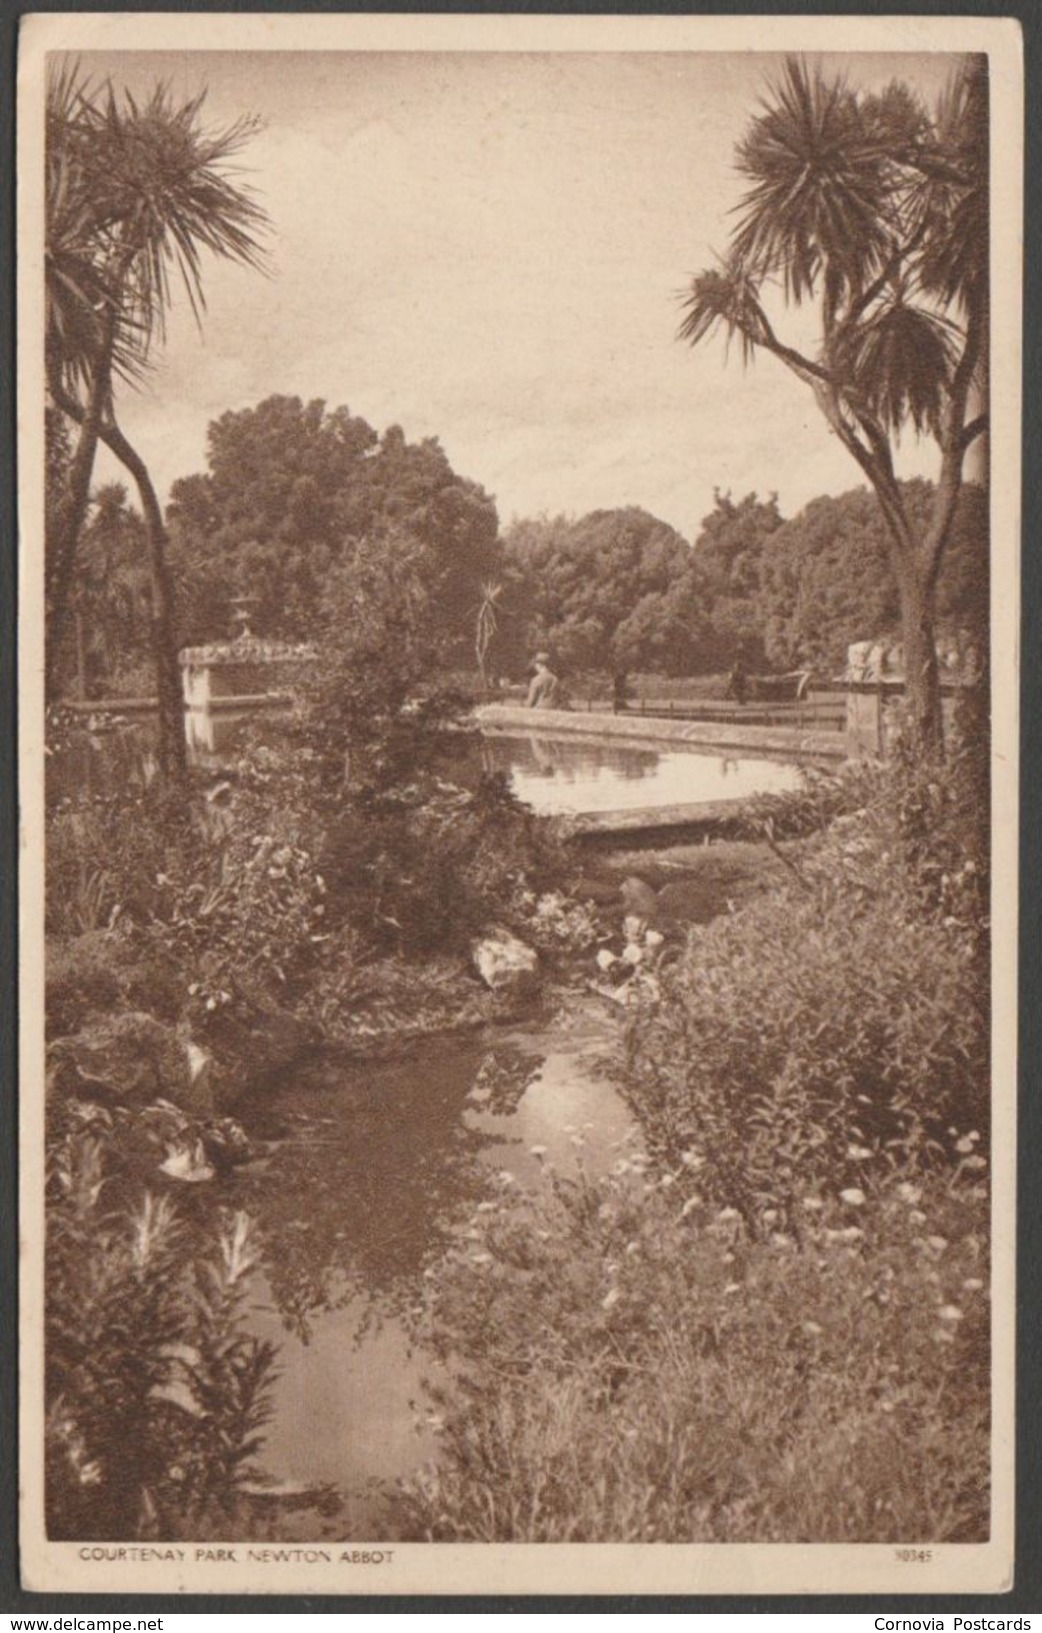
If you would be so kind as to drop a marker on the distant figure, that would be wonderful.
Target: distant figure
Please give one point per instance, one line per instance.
(545, 692)
(619, 694)
(738, 682)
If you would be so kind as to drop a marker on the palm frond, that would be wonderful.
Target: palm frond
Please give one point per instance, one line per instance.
(951, 195)
(818, 207)
(902, 359)
(727, 297)
(137, 194)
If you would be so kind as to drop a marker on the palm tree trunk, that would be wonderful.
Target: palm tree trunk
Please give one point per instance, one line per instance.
(173, 748)
(922, 673)
(72, 513)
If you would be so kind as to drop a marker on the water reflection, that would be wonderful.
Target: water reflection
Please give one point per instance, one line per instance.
(366, 1173)
(372, 1174)
(577, 775)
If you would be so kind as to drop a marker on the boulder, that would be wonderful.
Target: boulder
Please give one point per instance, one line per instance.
(506, 965)
(131, 1060)
(639, 899)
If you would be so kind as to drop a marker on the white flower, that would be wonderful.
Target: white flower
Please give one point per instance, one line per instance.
(950, 1312)
(854, 1197)
(537, 1150)
(938, 1243)
(812, 1328)
(973, 1284)
(813, 1204)
(909, 1193)
(611, 1298)
(690, 1205)
(732, 1287)
(859, 1153)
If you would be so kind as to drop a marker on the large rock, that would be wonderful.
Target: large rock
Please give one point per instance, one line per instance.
(131, 1060)
(507, 965)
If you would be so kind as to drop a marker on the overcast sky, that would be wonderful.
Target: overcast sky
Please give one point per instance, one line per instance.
(489, 249)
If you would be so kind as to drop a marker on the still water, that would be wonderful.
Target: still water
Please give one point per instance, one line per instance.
(370, 1175)
(566, 774)
(555, 775)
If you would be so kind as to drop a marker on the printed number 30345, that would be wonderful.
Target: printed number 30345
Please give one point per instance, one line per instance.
(914, 1556)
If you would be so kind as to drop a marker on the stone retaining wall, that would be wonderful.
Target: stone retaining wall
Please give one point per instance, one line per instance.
(784, 741)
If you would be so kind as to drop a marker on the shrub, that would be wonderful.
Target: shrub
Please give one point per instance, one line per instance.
(424, 869)
(155, 1396)
(818, 1022)
(108, 970)
(626, 1363)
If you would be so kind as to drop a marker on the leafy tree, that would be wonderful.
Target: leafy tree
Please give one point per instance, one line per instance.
(612, 591)
(825, 577)
(134, 194)
(873, 211)
(730, 550)
(292, 492)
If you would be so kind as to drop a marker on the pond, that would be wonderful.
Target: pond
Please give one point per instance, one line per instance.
(579, 775)
(370, 1174)
(557, 775)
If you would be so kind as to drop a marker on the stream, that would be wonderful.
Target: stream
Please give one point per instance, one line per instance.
(370, 1173)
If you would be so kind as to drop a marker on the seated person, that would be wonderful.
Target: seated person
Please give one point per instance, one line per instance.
(546, 691)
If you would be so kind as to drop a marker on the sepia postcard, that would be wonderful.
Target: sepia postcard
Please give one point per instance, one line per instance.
(519, 580)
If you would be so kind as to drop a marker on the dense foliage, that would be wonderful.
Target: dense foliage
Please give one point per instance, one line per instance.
(612, 591)
(294, 491)
(620, 591)
(795, 593)
(629, 1363)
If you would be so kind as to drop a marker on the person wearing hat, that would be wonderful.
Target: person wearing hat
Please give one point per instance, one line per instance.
(545, 690)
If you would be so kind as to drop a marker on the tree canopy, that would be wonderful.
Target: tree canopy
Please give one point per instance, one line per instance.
(610, 591)
(291, 491)
(794, 593)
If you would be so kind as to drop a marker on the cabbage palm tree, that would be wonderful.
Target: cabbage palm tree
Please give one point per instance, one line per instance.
(135, 195)
(874, 211)
(486, 626)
